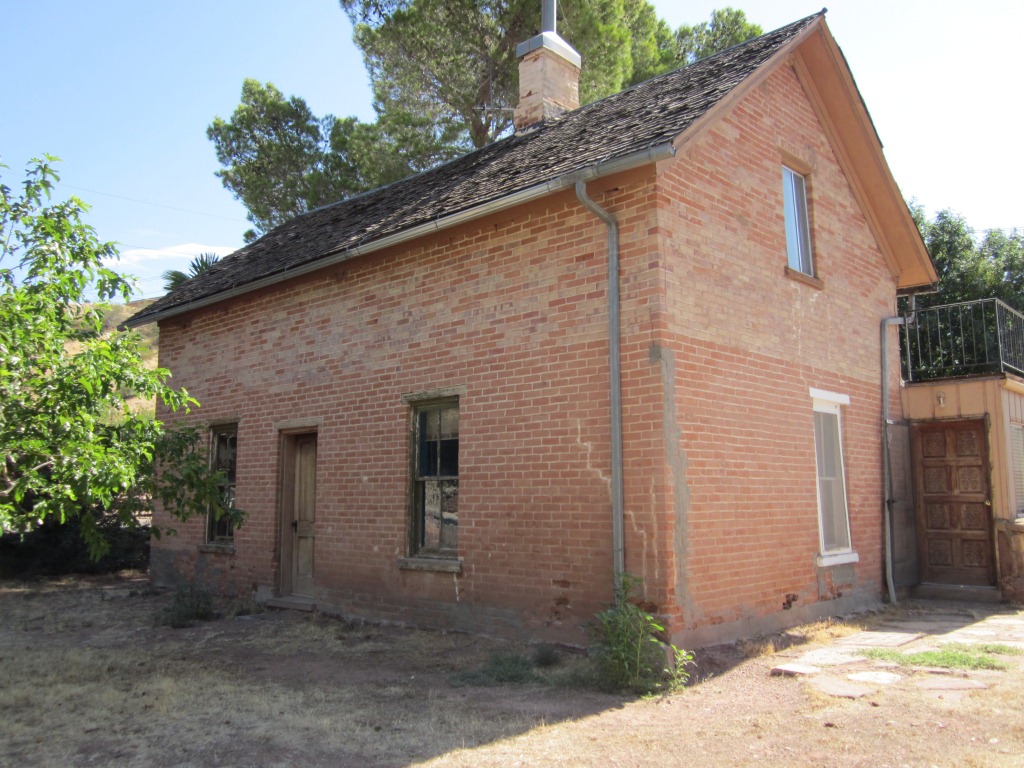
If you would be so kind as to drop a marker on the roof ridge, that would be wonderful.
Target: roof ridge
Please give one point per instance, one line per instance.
(706, 61)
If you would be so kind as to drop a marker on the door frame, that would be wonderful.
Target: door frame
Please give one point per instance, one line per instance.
(286, 507)
(917, 459)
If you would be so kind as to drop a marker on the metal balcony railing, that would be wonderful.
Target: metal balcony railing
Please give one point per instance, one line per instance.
(971, 338)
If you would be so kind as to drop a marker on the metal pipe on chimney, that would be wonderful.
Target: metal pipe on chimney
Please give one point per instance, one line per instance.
(548, 14)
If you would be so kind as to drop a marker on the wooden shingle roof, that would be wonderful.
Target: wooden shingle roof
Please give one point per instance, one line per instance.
(648, 115)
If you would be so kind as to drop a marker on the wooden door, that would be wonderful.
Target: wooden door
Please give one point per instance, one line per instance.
(298, 515)
(953, 503)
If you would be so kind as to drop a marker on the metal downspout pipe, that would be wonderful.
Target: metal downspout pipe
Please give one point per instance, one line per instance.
(886, 468)
(615, 370)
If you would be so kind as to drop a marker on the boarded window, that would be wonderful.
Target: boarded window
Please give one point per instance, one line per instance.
(436, 479)
(223, 453)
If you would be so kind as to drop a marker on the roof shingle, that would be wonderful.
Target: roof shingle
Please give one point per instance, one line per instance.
(644, 116)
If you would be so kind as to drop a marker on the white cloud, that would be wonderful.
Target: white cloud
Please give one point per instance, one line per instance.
(172, 255)
(147, 265)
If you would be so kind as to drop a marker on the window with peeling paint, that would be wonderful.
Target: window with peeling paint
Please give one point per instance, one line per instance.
(436, 479)
(223, 452)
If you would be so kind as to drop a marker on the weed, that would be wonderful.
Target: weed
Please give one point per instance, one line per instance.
(678, 675)
(500, 668)
(629, 654)
(949, 656)
(1000, 649)
(545, 656)
(190, 604)
(244, 606)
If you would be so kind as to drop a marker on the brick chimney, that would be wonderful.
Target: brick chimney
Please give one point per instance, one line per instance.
(549, 75)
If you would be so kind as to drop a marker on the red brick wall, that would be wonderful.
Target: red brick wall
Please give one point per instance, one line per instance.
(748, 342)
(720, 348)
(513, 309)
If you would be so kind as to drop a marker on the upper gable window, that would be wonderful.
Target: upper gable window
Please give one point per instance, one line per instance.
(798, 231)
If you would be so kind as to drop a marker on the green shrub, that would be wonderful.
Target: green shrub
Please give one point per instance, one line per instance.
(57, 549)
(190, 604)
(628, 651)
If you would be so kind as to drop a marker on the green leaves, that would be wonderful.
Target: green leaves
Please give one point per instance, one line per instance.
(280, 160)
(971, 268)
(69, 442)
(273, 150)
(445, 81)
(628, 649)
(174, 278)
(726, 28)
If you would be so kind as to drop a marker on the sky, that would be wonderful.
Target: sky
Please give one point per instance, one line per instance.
(123, 91)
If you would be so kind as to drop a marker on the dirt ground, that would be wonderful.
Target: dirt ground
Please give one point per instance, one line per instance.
(89, 680)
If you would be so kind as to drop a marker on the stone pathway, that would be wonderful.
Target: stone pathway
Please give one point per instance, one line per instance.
(842, 670)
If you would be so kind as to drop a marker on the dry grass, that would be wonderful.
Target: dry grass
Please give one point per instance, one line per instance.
(89, 680)
(816, 633)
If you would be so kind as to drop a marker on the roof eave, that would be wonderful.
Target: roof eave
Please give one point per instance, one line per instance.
(828, 82)
(331, 258)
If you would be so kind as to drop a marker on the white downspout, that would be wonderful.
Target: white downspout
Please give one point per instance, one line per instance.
(615, 369)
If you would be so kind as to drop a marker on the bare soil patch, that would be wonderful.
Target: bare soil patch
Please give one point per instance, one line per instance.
(88, 680)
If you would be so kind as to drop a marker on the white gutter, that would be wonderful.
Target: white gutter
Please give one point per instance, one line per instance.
(566, 181)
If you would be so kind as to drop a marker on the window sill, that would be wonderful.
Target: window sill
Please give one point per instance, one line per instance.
(803, 277)
(218, 548)
(836, 558)
(438, 564)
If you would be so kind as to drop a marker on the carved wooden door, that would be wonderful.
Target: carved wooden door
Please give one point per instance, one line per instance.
(953, 503)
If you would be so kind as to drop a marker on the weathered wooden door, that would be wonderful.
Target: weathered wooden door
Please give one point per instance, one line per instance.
(299, 515)
(953, 503)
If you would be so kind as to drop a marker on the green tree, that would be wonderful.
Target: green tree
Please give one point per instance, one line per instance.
(970, 268)
(1006, 253)
(445, 81)
(70, 446)
(726, 28)
(453, 62)
(277, 157)
(174, 278)
(280, 160)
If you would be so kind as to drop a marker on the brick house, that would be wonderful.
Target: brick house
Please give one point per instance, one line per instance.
(638, 335)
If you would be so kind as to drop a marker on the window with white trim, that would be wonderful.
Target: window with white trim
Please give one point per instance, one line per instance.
(833, 513)
(798, 230)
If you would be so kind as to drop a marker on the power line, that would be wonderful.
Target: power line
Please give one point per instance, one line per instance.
(170, 251)
(155, 205)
